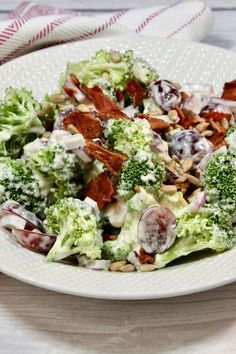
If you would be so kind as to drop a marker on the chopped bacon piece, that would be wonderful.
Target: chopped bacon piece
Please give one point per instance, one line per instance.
(184, 96)
(219, 145)
(113, 114)
(155, 123)
(108, 237)
(88, 125)
(144, 257)
(75, 80)
(229, 92)
(136, 91)
(119, 95)
(112, 160)
(69, 91)
(187, 118)
(100, 189)
(106, 107)
(215, 118)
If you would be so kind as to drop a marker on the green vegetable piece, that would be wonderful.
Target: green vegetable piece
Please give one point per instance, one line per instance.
(206, 229)
(77, 230)
(127, 239)
(143, 170)
(128, 136)
(19, 123)
(19, 184)
(220, 181)
(60, 168)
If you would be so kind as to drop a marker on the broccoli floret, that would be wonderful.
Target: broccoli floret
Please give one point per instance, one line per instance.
(107, 88)
(231, 129)
(60, 168)
(143, 72)
(206, 229)
(220, 181)
(21, 185)
(128, 136)
(142, 169)
(231, 138)
(127, 239)
(118, 73)
(118, 67)
(115, 252)
(19, 123)
(76, 228)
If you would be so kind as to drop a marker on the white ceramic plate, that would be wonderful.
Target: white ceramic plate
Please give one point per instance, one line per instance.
(175, 60)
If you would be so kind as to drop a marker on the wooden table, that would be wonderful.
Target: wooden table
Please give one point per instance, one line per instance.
(37, 321)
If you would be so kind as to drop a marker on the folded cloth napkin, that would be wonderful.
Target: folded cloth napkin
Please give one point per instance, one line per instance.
(32, 26)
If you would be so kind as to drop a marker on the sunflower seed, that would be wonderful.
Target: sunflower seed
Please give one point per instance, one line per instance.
(147, 267)
(115, 266)
(127, 268)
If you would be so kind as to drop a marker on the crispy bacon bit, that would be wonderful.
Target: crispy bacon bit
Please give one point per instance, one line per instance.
(100, 189)
(136, 91)
(75, 80)
(155, 123)
(229, 92)
(144, 257)
(187, 118)
(69, 91)
(216, 116)
(88, 125)
(184, 95)
(108, 237)
(112, 160)
(106, 107)
(119, 95)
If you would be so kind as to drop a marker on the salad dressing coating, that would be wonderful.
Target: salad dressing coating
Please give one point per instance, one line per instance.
(120, 169)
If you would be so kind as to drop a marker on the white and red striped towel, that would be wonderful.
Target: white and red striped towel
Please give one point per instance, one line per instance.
(32, 26)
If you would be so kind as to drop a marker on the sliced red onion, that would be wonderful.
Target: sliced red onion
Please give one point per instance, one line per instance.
(77, 93)
(157, 229)
(204, 162)
(198, 202)
(82, 155)
(130, 111)
(133, 256)
(35, 241)
(72, 90)
(116, 213)
(196, 102)
(158, 144)
(93, 205)
(191, 88)
(72, 142)
(32, 221)
(99, 264)
(12, 221)
(222, 101)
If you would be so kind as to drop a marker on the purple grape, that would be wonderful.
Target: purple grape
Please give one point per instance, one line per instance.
(165, 94)
(189, 143)
(157, 229)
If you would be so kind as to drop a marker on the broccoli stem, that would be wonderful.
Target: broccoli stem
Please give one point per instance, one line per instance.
(182, 247)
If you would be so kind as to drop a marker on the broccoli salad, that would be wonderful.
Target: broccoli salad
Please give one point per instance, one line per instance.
(119, 170)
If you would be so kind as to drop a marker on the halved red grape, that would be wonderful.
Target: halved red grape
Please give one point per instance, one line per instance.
(35, 241)
(157, 229)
